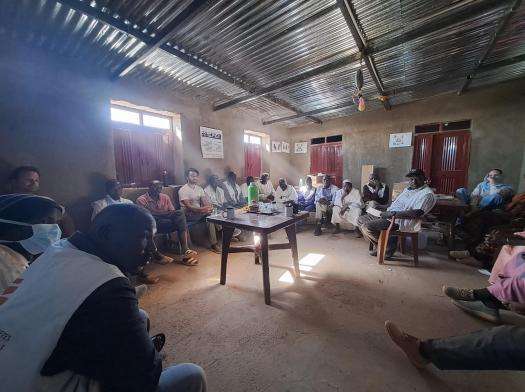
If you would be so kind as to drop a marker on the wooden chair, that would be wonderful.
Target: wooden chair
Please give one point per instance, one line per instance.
(401, 236)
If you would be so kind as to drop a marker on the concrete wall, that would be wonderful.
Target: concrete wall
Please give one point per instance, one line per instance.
(498, 134)
(55, 115)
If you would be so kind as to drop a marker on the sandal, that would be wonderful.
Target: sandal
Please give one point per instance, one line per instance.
(190, 252)
(158, 341)
(189, 261)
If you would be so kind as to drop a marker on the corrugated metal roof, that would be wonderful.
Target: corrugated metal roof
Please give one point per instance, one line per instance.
(254, 44)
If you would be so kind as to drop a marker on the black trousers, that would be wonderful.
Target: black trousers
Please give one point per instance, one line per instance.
(500, 348)
(175, 221)
(371, 227)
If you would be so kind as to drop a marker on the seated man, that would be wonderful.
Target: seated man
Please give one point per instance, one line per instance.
(348, 206)
(375, 193)
(408, 208)
(196, 205)
(113, 196)
(307, 198)
(285, 193)
(26, 180)
(91, 334)
(500, 348)
(324, 201)
(28, 226)
(489, 194)
(168, 221)
(266, 191)
(215, 194)
(232, 191)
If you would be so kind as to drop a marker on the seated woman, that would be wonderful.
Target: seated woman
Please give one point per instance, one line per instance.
(307, 198)
(485, 231)
(489, 194)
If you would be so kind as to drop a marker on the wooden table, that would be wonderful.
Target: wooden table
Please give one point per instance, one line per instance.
(448, 211)
(262, 225)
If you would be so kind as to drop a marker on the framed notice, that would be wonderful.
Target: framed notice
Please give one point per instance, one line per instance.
(301, 147)
(211, 143)
(276, 146)
(285, 147)
(400, 140)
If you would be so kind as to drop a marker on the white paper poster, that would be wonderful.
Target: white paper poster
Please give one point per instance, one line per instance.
(211, 143)
(400, 140)
(276, 146)
(285, 147)
(301, 147)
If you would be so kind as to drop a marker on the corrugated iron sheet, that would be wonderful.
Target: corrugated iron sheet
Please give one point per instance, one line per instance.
(264, 42)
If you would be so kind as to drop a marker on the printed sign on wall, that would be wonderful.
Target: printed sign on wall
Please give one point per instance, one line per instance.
(400, 140)
(301, 147)
(276, 146)
(285, 147)
(211, 143)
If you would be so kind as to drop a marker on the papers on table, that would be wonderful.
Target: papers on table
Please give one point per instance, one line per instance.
(373, 211)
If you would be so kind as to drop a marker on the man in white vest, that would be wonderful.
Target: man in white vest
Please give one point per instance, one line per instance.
(73, 322)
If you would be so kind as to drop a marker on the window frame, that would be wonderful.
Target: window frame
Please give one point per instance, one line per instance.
(141, 114)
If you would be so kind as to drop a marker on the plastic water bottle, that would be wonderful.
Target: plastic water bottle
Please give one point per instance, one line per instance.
(253, 193)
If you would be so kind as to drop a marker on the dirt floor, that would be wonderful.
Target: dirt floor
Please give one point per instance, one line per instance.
(323, 332)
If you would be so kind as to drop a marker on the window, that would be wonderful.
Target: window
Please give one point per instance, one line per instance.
(252, 139)
(145, 119)
(156, 121)
(126, 116)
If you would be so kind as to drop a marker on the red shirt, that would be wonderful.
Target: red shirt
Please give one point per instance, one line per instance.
(160, 206)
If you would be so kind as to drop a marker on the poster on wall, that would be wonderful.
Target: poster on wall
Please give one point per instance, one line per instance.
(301, 147)
(211, 143)
(400, 140)
(276, 146)
(285, 147)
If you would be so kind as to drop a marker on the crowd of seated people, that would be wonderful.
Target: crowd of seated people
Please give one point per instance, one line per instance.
(75, 350)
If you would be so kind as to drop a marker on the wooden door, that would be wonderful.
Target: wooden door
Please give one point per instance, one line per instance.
(450, 161)
(252, 160)
(444, 157)
(422, 157)
(327, 158)
(142, 156)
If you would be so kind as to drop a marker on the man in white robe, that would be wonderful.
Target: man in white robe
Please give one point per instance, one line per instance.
(347, 208)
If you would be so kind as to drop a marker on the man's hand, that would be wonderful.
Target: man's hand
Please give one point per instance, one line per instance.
(517, 307)
(387, 214)
(323, 200)
(271, 197)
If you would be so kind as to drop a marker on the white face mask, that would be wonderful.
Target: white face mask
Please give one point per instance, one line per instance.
(44, 235)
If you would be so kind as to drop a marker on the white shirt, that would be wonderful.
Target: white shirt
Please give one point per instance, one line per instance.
(230, 192)
(413, 199)
(353, 199)
(215, 197)
(99, 205)
(289, 194)
(193, 193)
(265, 190)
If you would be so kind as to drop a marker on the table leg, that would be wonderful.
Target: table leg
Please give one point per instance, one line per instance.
(292, 238)
(265, 268)
(227, 233)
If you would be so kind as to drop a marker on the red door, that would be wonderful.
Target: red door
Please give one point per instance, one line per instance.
(327, 158)
(252, 160)
(444, 157)
(450, 161)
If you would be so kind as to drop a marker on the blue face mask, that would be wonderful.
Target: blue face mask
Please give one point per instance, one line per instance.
(44, 235)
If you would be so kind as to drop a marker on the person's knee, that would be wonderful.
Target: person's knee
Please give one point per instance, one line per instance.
(184, 377)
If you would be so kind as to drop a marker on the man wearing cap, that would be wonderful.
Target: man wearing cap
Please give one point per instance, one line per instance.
(324, 201)
(408, 209)
(347, 209)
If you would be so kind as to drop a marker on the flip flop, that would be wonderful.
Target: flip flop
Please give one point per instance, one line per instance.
(191, 252)
(189, 261)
